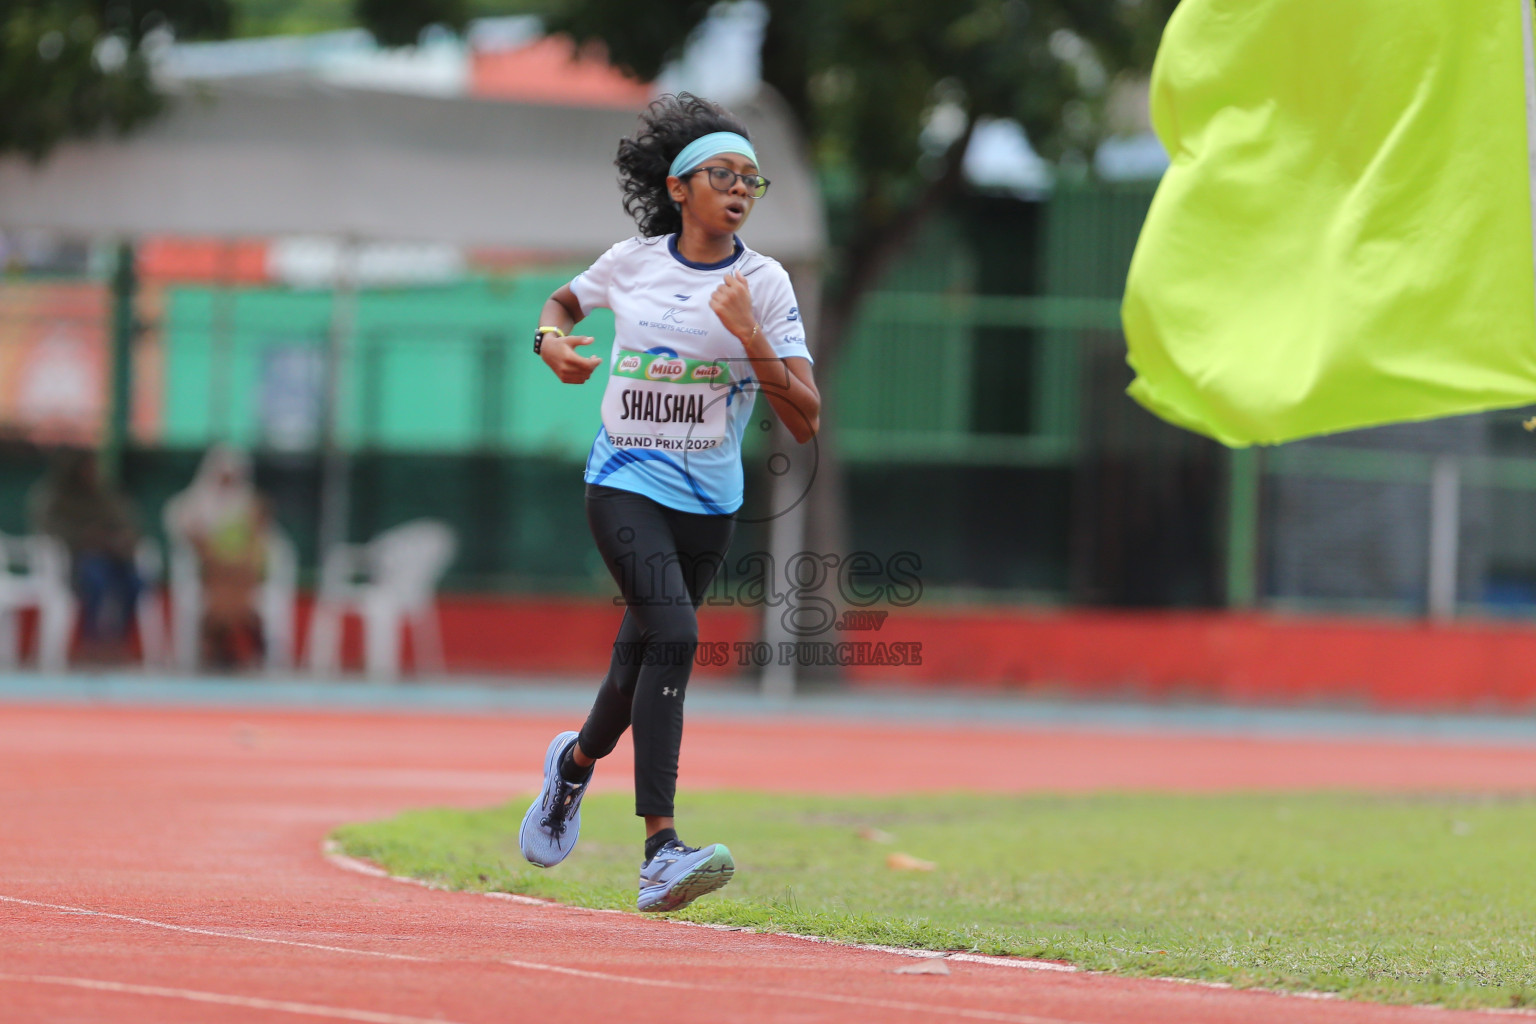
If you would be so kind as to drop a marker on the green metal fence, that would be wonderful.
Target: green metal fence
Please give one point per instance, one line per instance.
(429, 369)
(958, 402)
(909, 386)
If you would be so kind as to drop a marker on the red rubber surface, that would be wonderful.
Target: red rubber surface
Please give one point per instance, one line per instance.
(202, 830)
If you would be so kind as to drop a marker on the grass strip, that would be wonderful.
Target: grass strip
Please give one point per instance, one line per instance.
(1392, 899)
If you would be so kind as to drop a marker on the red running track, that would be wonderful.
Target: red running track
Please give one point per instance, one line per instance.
(165, 866)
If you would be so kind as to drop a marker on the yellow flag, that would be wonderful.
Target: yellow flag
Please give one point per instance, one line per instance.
(1344, 237)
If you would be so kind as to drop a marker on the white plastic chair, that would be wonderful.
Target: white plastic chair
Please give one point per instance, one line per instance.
(391, 583)
(35, 574)
(274, 601)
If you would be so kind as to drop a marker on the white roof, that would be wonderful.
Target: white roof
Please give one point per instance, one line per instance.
(279, 156)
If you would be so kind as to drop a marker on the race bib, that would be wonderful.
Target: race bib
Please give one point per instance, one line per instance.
(666, 403)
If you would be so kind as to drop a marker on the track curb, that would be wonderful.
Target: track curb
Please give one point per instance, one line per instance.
(331, 850)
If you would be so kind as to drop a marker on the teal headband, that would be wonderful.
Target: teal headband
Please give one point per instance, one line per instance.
(706, 146)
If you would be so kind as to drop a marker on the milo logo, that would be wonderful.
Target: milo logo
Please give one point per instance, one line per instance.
(665, 369)
(709, 371)
(629, 364)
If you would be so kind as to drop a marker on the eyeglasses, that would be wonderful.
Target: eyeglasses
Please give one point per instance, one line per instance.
(722, 179)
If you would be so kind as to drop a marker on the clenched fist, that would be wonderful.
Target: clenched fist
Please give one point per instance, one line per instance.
(559, 354)
(732, 303)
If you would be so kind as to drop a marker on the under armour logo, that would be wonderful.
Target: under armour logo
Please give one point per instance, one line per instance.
(669, 691)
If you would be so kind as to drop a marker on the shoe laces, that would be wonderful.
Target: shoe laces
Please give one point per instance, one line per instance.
(566, 795)
(673, 849)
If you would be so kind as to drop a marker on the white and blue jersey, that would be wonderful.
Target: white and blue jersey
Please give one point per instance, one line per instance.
(680, 389)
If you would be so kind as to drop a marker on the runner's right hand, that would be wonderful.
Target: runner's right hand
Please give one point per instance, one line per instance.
(559, 354)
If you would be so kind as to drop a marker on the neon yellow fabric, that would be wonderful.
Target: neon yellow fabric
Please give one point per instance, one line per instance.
(1344, 237)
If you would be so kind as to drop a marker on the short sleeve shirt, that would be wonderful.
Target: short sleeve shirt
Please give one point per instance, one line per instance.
(680, 446)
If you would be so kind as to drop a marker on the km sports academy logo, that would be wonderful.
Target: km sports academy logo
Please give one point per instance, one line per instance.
(671, 321)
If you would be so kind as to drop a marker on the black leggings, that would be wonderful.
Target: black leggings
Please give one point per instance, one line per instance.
(662, 560)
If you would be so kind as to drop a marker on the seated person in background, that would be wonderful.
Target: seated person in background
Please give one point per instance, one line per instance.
(98, 526)
(225, 520)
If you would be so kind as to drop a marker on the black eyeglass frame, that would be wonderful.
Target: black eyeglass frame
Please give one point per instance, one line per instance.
(734, 177)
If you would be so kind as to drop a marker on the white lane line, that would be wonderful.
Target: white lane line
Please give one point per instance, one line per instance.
(936, 1012)
(928, 954)
(221, 999)
(932, 1011)
(363, 867)
(216, 934)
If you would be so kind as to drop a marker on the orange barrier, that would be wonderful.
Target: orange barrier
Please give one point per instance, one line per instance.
(1202, 655)
(1230, 658)
(554, 635)
(1154, 655)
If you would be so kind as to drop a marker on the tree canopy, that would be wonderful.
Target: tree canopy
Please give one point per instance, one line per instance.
(74, 67)
(887, 92)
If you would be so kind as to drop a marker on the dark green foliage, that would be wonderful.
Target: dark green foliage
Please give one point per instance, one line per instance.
(864, 78)
(400, 22)
(640, 37)
(291, 17)
(76, 67)
(73, 68)
(861, 75)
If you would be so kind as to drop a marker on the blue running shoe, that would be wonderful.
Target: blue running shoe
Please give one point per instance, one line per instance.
(679, 874)
(553, 822)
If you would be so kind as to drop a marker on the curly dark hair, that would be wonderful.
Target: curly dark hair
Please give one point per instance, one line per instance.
(666, 126)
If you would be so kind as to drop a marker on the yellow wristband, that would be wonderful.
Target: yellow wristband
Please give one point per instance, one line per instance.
(551, 330)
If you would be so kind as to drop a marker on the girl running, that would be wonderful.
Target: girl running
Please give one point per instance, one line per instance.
(702, 323)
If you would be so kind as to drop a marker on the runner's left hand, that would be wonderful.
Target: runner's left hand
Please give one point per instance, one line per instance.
(732, 303)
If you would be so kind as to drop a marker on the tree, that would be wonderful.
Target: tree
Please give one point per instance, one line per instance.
(888, 92)
(73, 67)
(399, 22)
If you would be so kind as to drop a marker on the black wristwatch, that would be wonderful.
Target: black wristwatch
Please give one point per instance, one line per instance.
(538, 337)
